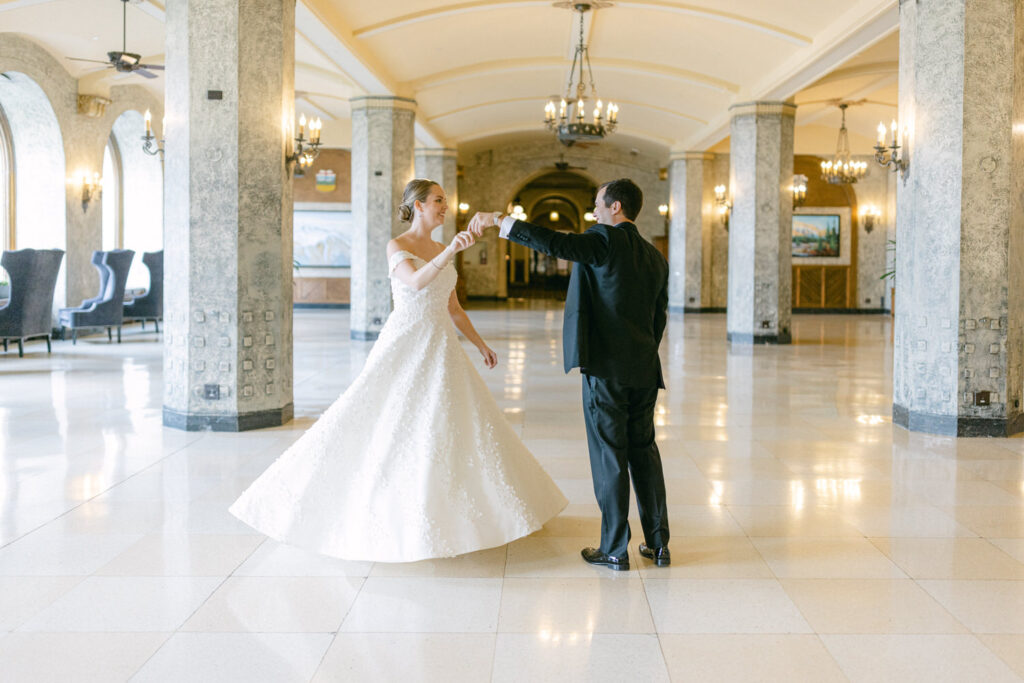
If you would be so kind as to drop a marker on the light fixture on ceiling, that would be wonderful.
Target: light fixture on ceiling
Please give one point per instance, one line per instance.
(568, 119)
(664, 213)
(517, 211)
(841, 170)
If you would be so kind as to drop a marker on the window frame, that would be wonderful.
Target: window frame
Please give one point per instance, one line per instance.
(7, 224)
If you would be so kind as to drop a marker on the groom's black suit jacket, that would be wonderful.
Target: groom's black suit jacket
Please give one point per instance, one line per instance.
(617, 303)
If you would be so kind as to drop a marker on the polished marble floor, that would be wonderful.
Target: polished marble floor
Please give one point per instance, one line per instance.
(813, 541)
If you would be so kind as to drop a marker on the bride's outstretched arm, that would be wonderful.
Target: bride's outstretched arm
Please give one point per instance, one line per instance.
(418, 279)
(464, 326)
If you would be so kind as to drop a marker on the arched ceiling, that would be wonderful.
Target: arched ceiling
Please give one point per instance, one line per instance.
(483, 68)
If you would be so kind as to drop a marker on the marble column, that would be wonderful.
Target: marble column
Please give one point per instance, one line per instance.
(959, 335)
(228, 214)
(689, 231)
(382, 164)
(438, 164)
(760, 299)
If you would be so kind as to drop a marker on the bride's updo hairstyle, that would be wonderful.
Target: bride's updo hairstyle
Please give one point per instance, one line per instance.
(417, 190)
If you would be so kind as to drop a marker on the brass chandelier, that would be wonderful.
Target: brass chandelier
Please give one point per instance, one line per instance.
(841, 170)
(568, 119)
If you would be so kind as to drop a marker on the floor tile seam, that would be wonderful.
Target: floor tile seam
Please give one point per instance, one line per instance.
(335, 633)
(163, 643)
(988, 541)
(89, 500)
(81, 578)
(497, 620)
(248, 557)
(938, 603)
(355, 598)
(831, 656)
(654, 624)
(1009, 665)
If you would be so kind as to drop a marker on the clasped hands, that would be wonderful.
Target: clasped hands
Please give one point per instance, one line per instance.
(483, 220)
(480, 222)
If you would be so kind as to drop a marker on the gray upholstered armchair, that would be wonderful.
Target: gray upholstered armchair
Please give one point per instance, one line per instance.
(149, 306)
(33, 274)
(108, 311)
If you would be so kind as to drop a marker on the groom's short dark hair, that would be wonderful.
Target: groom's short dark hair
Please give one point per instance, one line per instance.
(627, 194)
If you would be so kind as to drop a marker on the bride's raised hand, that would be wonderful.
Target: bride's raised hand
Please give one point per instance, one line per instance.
(462, 241)
(490, 357)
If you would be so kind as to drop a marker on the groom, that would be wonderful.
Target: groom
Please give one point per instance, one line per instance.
(615, 314)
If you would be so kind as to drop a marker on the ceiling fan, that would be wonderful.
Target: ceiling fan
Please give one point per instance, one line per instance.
(124, 61)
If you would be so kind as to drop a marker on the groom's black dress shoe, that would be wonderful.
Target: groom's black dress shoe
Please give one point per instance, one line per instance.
(595, 556)
(661, 556)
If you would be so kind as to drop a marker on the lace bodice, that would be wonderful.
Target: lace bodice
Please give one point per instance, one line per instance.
(431, 299)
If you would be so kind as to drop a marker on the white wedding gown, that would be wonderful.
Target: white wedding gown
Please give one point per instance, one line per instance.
(415, 460)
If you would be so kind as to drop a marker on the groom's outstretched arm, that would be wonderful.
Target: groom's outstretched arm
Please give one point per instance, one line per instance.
(590, 247)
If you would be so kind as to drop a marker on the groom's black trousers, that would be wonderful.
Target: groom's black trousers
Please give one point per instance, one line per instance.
(620, 435)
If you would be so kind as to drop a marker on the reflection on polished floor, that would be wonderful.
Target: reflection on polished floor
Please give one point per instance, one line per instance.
(812, 540)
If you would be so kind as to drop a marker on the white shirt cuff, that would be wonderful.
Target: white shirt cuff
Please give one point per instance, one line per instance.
(506, 227)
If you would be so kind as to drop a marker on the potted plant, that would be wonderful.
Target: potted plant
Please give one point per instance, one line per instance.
(890, 275)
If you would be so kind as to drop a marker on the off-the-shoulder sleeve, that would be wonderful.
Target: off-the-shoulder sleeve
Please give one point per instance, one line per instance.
(397, 258)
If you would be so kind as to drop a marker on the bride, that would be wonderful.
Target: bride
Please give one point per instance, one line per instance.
(415, 460)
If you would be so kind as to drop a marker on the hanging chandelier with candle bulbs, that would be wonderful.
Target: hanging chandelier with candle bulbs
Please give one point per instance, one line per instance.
(569, 119)
(841, 170)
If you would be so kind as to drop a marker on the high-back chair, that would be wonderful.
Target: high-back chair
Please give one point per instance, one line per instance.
(149, 306)
(26, 315)
(108, 312)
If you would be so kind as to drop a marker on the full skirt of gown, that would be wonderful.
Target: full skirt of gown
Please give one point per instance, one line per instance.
(415, 460)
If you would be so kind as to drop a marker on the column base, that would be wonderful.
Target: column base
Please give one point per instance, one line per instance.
(952, 425)
(242, 422)
(749, 338)
(364, 335)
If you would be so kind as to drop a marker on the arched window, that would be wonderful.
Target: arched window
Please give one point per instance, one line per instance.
(113, 209)
(6, 185)
(6, 191)
(132, 196)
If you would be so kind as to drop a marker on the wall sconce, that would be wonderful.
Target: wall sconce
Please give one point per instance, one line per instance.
(589, 216)
(91, 187)
(799, 190)
(149, 144)
(868, 215)
(305, 154)
(891, 156)
(517, 211)
(663, 212)
(553, 216)
(724, 205)
(463, 208)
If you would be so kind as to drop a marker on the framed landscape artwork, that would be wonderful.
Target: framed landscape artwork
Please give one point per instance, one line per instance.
(821, 236)
(815, 234)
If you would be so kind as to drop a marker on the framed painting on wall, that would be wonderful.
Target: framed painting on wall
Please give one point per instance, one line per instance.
(323, 238)
(815, 234)
(821, 236)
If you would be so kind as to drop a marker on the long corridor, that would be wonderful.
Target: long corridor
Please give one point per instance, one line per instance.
(812, 540)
